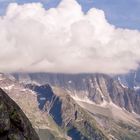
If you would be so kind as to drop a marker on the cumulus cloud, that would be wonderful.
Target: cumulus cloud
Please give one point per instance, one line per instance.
(64, 39)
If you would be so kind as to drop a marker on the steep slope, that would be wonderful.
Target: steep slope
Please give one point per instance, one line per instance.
(118, 123)
(14, 125)
(27, 100)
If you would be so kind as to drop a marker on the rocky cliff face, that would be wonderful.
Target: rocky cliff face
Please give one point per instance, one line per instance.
(131, 79)
(98, 88)
(14, 125)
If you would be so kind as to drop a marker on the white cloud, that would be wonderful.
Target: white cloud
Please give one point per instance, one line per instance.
(64, 39)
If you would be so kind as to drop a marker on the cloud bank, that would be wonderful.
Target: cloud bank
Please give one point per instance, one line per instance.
(64, 39)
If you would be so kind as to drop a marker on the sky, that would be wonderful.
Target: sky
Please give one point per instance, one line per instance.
(121, 13)
(69, 36)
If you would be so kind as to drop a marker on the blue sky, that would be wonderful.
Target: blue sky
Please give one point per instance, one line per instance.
(121, 13)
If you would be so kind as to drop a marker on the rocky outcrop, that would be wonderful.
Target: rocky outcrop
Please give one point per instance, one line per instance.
(113, 91)
(14, 125)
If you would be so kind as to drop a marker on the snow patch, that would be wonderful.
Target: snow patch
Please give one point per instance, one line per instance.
(119, 79)
(88, 101)
(9, 87)
(136, 87)
(85, 99)
(69, 82)
(42, 98)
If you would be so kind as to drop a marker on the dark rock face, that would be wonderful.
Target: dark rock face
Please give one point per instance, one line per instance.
(75, 134)
(48, 101)
(14, 125)
(44, 93)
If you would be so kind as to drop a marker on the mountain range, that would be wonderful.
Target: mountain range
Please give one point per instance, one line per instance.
(78, 106)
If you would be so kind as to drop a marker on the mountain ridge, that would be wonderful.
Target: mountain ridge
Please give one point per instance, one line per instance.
(91, 86)
(95, 95)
